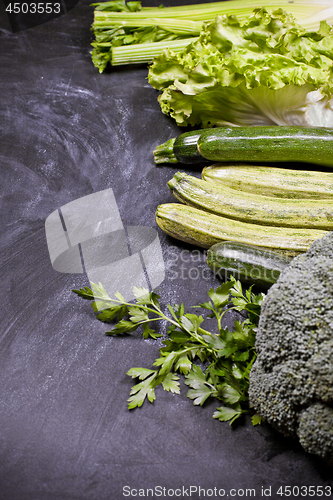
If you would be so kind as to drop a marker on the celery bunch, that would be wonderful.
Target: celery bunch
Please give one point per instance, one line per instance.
(127, 33)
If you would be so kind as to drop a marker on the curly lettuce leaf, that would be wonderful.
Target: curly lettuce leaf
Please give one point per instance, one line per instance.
(263, 70)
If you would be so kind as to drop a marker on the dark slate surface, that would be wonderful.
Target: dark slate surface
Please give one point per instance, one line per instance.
(65, 431)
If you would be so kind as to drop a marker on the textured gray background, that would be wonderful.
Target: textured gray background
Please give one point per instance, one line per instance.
(65, 432)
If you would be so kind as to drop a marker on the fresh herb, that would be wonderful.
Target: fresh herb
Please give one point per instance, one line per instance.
(214, 364)
(128, 33)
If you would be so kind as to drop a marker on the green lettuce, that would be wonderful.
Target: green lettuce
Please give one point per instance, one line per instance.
(263, 70)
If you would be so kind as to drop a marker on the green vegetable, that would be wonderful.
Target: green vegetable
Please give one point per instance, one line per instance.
(272, 181)
(262, 70)
(291, 382)
(250, 207)
(246, 263)
(251, 144)
(283, 144)
(129, 33)
(183, 149)
(204, 229)
(227, 356)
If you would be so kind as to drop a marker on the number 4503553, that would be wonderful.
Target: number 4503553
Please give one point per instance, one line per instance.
(308, 491)
(33, 8)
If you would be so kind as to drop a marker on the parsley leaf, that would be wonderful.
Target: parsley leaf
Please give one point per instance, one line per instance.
(142, 390)
(214, 364)
(170, 383)
(226, 413)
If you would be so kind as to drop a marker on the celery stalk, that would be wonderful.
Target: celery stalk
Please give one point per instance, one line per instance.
(173, 25)
(145, 52)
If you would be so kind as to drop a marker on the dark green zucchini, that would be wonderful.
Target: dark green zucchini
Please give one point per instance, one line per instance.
(182, 149)
(268, 144)
(246, 263)
(251, 144)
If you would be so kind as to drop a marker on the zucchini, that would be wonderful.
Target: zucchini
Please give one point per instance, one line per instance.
(272, 181)
(253, 144)
(204, 229)
(246, 263)
(268, 144)
(182, 149)
(250, 207)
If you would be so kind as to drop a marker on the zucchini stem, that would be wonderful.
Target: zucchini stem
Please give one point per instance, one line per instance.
(164, 152)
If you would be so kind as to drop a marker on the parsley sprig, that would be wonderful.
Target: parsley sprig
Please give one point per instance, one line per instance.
(214, 364)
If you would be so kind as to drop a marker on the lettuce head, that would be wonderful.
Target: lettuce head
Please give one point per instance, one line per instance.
(263, 70)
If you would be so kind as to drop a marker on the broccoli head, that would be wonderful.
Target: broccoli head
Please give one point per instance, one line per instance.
(291, 381)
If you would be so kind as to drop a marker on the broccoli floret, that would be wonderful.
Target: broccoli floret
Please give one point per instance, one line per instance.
(315, 430)
(291, 382)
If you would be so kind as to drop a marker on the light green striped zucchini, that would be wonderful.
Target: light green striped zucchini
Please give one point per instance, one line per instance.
(252, 208)
(204, 229)
(272, 181)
